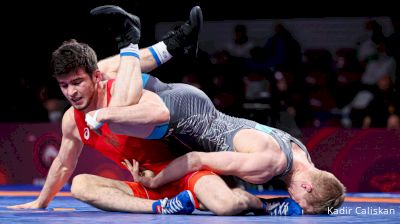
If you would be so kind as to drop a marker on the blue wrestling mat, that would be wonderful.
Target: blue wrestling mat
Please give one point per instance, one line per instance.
(358, 208)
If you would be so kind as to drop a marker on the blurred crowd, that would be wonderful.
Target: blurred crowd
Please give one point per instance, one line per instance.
(278, 83)
(285, 86)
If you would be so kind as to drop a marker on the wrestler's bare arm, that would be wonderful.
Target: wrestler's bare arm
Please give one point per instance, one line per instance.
(254, 168)
(109, 66)
(136, 120)
(126, 90)
(127, 87)
(63, 165)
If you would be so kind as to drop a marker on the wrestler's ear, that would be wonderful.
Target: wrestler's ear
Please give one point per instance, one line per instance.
(307, 186)
(97, 76)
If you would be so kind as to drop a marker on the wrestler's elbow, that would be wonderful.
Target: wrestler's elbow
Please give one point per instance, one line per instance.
(164, 115)
(151, 185)
(158, 114)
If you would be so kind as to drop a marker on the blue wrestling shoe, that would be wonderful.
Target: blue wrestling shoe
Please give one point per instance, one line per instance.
(281, 207)
(183, 203)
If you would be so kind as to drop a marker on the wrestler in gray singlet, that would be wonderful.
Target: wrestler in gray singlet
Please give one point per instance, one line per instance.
(196, 122)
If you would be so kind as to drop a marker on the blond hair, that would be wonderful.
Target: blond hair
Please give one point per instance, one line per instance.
(328, 192)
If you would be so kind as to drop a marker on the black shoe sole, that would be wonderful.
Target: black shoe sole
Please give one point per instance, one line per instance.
(196, 20)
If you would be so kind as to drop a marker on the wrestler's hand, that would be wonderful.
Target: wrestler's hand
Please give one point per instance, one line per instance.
(93, 119)
(30, 205)
(144, 177)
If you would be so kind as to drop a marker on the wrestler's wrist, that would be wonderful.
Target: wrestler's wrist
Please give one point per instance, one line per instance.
(154, 183)
(102, 117)
(93, 120)
(42, 203)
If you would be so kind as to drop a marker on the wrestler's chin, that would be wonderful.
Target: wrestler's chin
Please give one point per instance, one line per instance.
(80, 105)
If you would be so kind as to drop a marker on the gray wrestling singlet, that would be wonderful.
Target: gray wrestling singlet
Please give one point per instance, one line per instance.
(196, 122)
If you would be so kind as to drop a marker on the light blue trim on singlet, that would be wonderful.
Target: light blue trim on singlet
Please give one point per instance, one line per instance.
(159, 131)
(155, 56)
(145, 79)
(263, 128)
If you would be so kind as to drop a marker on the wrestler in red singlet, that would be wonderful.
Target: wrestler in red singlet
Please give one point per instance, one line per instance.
(153, 155)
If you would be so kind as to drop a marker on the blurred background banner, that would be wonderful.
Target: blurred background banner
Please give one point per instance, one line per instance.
(365, 160)
(27, 151)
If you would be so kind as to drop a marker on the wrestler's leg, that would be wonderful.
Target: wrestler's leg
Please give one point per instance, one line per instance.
(108, 194)
(216, 196)
(109, 66)
(174, 43)
(147, 60)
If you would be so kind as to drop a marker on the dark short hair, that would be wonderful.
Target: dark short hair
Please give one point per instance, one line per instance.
(71, 56)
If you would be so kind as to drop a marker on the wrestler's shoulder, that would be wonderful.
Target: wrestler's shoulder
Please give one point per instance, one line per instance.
(68, 120)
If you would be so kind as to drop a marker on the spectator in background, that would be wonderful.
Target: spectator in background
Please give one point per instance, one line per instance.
(241, 45)
(393, 122)
(371, 105)
(393, 48)
(382, 111)
(282, 50)
(52, 101)
(285, 104)
(226, 87)
(348, 76)
(257, 62)
(381, 65)
(368, 42)
(377, 107)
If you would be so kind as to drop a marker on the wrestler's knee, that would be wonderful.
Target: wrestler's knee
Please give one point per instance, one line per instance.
(80, 186)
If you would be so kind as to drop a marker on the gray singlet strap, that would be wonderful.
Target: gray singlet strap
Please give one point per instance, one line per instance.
(285, 141)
